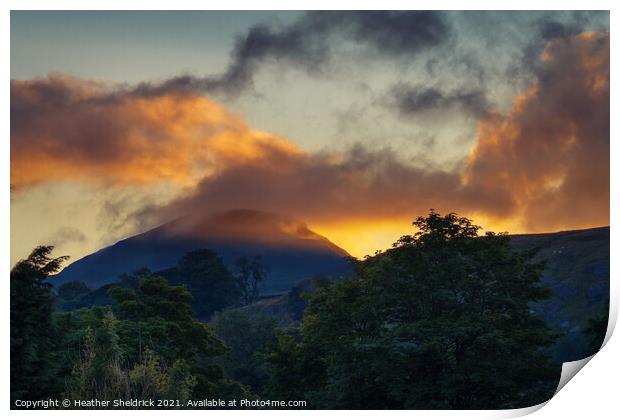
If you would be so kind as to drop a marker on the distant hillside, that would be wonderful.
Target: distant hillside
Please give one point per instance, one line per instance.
(578, 275)
(290, 250)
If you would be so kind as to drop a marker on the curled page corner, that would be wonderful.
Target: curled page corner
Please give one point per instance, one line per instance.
(569, 370)
(520, 412)
(612, 318)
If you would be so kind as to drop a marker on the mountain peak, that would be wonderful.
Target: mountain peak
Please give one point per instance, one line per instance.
(248, 226)
(288, 247)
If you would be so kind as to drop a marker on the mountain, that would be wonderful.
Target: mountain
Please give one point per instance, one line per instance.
(290, 250)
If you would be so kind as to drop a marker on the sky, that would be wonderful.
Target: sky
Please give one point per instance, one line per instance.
(353, 122)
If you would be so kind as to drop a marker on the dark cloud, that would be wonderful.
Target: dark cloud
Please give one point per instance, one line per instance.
(549, 27)
(393, 33)
(306, 43)
(291, 44)
(410, 100)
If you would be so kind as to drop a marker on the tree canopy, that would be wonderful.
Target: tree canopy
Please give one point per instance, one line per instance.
(33, 334)
(441, 320)
(208, 280)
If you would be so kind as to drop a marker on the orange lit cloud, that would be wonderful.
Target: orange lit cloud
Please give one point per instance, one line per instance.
(64, 128)
(549, 158)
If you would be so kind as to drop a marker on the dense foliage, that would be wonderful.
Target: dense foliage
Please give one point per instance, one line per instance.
(147, 345)
(249, 336)
(33, 335)
(209, 281)
(249, 274)
(213, 286)
(443, 319)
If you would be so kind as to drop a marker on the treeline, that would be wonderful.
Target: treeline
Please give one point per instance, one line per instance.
(210, 282)
(441, 320)
(147, 345)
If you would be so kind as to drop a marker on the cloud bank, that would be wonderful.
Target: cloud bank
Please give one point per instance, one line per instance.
(545, 163)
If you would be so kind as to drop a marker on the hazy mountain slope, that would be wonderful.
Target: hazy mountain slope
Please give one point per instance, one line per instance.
(290, 250)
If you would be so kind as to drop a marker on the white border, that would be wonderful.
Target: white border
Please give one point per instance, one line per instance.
(593, 394)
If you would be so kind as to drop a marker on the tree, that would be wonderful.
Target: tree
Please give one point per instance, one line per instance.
(75, 295)
(247, 336)
(100, 370)
(33, 334)
(97, 371)
(208, 280)
(151, 379)
(158, 317)
(71, 294)
(249, 274)
(441, 320)
(296, 367)
(146, 346)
